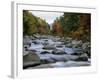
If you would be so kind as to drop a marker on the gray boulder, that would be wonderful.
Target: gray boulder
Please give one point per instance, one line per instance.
(30, 60)
(31, 56)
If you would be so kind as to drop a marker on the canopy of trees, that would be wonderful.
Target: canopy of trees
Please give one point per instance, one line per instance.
(33, 24)
(75, 25)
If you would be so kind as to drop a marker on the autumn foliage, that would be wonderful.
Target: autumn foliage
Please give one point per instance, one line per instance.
(75, 25)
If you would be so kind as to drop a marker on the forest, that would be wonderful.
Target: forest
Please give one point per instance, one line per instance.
(75, 25)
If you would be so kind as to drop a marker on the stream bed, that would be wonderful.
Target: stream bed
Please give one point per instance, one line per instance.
(46, 51)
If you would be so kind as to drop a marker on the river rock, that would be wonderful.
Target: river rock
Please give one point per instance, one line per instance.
(30, 60)
(48, 47)
(77, 43)
(26, 47)
(46, 61)
(27, 40)
(45, 43)
(82, 57)
(87, 48)
(69, 45)
(36, 36)
(30, 64)
(77, 51)
(58, 52)
(86, 45)
(88, 52)
(31, 56)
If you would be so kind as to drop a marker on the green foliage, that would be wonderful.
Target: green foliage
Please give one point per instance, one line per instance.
(75, 25)
(29, 23)
(33, 24)
(69, 22)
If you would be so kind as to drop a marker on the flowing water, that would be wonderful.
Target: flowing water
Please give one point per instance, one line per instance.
(53, 44)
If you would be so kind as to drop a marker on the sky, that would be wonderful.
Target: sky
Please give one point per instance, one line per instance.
(48, 16)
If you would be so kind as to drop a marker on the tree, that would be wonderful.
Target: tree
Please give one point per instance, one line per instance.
(29, 23)
(33, 24)
(75, 25)
(57, 29)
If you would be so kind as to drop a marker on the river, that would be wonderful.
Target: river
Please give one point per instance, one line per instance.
(56, 52)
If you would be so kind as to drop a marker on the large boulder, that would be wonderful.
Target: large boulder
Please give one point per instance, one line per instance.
(31, 56)
(30, 59)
